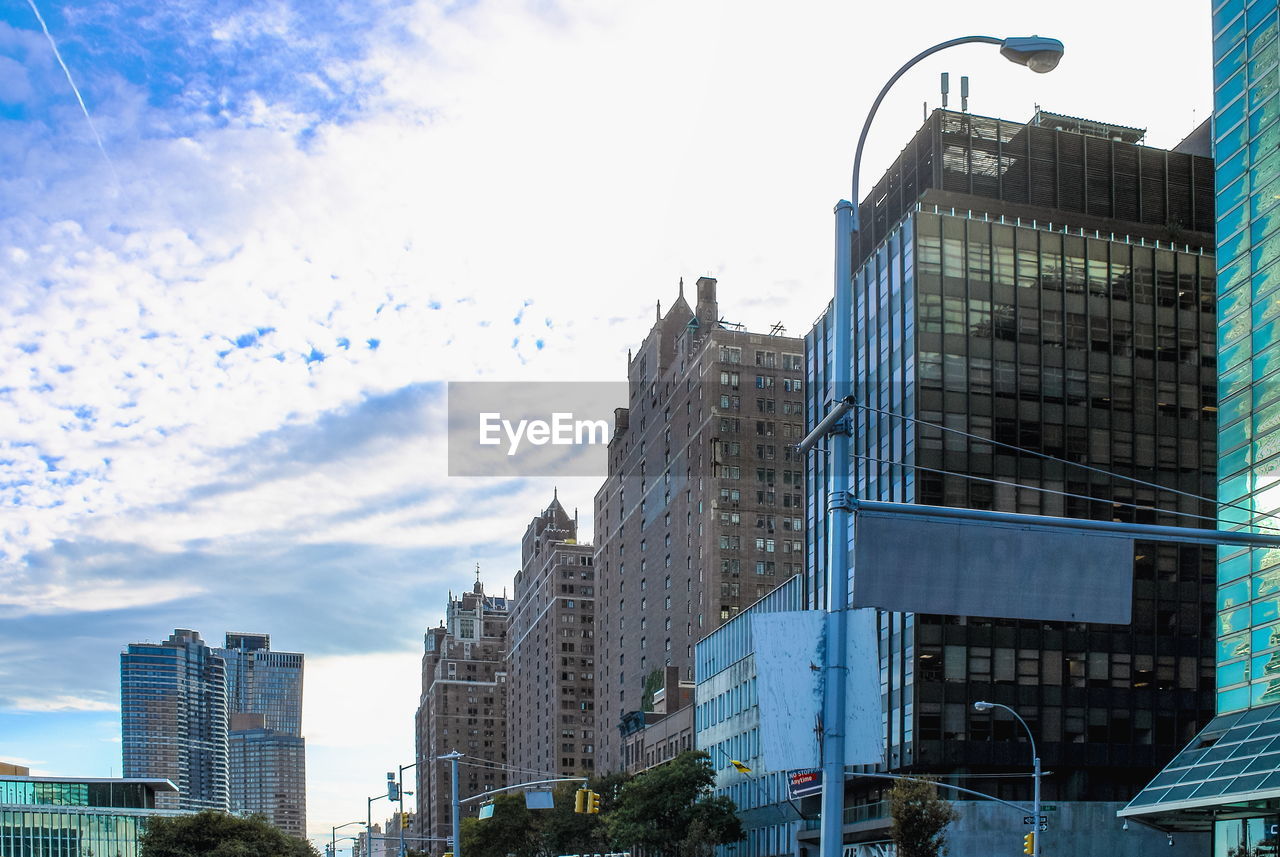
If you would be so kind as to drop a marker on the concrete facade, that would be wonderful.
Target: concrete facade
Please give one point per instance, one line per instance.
(551, 656)
(702, 510)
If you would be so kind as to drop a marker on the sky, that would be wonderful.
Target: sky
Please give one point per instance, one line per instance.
(244, 246)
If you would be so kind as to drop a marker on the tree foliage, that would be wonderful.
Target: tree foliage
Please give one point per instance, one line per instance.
(669, 811)
(920, 818)
(217, 834)
(511, 830)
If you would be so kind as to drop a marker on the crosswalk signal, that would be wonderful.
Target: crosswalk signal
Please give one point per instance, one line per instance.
(593, 803)
(1029, 844)
(580, 800)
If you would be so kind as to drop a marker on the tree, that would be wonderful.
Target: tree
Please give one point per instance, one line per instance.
(669, 810)
(512, 829)
(920, 818)
(217, 834)
(567, 832)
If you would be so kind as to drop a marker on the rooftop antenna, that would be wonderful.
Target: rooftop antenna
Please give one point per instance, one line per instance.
(964, 93)
(926, 111)
(946, 88)
(778, 329)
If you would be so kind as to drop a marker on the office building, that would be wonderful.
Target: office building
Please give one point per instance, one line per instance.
(266, 750)
(727, 728)
(462, 708)
(77, 816)
(1044, 286)
(701, 512)
(173, 711)
(652, 737)
(1226, 780)
(551, 721)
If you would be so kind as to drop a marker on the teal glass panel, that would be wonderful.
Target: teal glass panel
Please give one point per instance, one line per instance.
(1233, 700)
(1266, 692)
(1233, 595)
(1263, 116)
(1234, 381)
(1233, 275)
(1265, 142)
(1265, 169)
(1237, 407)
(1238, 513)
(1266, 446)
(1267, 637)
(1265, 253)
(1265, 281)
(1233, 88)
(1265, 57)
(1229, 437)
(1236, 567)
(1234, 462)
(1266, 611)
(1236, 673)
(1232, 168)
(1264, 198)
(1266, 583)
(1227, 14)
(1236, 646)
(1231, 490)
(1266, 419)
(1235, 245)
(1233, 329)
(1267, 361)
(1228, 38)
(1264, 558)
(1232, 621)
(1262, 88)
(1229, 357)
(1265, 667)
(1223, 70)
(1266, 390)
(1234, 303)
(1232, 220)
(1261, 30)
(1265, 224)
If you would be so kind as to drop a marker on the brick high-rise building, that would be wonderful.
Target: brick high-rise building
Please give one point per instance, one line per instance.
(462, 708)
(550, 655)
(702, 512)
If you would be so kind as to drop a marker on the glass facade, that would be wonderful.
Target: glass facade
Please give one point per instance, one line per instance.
(1247, 151)
(727, 722)
(45, 817)
(990, 351)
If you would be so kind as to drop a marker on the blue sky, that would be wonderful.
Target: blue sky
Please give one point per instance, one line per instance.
(224, 337)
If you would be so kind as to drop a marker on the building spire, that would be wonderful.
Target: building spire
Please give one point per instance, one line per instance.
(658, 317)
(682, 287)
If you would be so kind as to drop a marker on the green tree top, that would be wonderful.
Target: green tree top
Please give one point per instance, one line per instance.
(920, 818)
(669, 810)
(217, 834)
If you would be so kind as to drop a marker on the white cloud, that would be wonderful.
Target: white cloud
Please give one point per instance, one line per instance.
(59, 703)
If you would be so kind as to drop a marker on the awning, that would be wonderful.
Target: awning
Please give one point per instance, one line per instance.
(1231, 769)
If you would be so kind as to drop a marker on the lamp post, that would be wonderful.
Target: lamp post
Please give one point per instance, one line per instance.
(403, 768)
(1040, 55)
(1035, 768)
(333, 836)
(457, 804)
(368, 826)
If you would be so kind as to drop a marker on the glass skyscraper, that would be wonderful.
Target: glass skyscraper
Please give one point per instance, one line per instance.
(1228, 778)
(266, 750)
(1027, 296)
(173, 711)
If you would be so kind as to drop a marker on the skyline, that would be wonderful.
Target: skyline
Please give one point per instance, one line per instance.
(218, 364)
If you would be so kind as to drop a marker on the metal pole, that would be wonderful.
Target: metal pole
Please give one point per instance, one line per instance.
(838, 465)
(403, 768)
(457, 804)
(1035, 769)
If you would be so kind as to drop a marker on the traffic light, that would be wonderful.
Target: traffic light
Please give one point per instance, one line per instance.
(580, 800)
(404, 821)
(593, 802)
(1029, 844)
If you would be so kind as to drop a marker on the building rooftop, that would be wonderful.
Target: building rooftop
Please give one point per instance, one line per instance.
(156, 784)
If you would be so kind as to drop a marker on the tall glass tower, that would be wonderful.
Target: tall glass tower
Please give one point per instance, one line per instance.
(173, 710)
(1228, 778)
(267, 752)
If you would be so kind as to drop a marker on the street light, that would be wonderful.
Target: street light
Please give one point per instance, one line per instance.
(1040, 55)
(333, 836)
(1035, 767)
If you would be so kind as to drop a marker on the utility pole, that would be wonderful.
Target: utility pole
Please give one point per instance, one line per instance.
(403, 768)
(457, 805)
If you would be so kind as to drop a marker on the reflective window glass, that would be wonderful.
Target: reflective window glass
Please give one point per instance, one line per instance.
(1229, 674)
(1230, 116)
(1264, 638)
(1263, 199)
(1228, 66)
(1228, 38)
(1227, 14)
(1231, 169)
(1231, 221)
(1261, 87)
(1262, 59)
(1262, 117)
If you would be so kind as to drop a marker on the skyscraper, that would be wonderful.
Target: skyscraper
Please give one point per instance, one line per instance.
(702, 512)
(173, 709)
(462, 708)
(551, 721)
(1028, 296)
(267, 753)
(1227, 779)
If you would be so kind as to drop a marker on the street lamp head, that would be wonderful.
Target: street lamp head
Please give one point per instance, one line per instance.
(982, 706)
(1035, 52)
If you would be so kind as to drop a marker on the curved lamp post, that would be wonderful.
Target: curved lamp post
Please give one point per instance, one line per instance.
(1035, 769)
(333, 836)
(1040, 55)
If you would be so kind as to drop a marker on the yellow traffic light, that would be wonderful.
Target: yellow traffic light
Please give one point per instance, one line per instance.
(1029, 844)
(593, 803)
(404, 821)
(580, 800)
